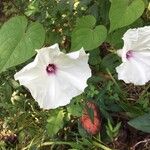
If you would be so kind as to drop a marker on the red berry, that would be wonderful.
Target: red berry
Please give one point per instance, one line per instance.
(92, 126)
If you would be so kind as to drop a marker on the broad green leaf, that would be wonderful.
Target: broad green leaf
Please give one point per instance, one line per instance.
(18, 41)
(55, 123)
(86, 21)
(124, 12)
(86, 36)
(141, 123)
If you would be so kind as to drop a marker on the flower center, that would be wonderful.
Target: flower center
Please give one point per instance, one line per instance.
(129, 54)
(51, 69)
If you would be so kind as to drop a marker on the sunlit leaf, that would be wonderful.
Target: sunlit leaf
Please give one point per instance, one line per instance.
(55, 123)
(18, 41)
(124, 12)
(86, 35)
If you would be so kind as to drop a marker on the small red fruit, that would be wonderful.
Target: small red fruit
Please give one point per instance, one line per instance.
(92, 126)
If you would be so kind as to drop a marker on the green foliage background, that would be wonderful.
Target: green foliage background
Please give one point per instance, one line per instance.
(96, 25)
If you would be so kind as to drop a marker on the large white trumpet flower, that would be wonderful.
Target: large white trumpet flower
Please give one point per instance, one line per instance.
(135, 54)
(54, 78)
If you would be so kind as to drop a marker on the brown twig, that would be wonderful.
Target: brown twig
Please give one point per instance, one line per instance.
(140, 142)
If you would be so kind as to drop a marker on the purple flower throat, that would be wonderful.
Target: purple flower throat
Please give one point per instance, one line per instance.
(51, 69)
(129, 54)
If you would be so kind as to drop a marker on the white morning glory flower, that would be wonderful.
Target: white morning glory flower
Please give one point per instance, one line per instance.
(54, 78)
(135, 67)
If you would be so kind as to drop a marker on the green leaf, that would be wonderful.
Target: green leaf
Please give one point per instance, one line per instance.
(18, 41)
(94, 58)
(75, 108)
(85, 36)
(115, 38)
(90, 113)
(110, 62)
(86, 21)
(94, 10)
(55, 123)
(124, 12)
(141, 123)
(52, 38)
(104, 7)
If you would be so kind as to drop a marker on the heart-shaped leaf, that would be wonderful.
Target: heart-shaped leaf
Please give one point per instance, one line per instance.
(124, 12)
(85, 36)
(18, 41)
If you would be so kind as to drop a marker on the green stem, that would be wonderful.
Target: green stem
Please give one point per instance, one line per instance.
(101, 146)
(113, 79)
(54, 143)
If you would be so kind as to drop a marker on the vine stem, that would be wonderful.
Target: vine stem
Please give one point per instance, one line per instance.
(55, 143)
(113, 79)
(71, 143)
(101, 146)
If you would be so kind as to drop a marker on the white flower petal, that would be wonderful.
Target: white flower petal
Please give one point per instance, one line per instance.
(143, 57)
(76, 54)
(28, 73)
(135, 56)
(37, 68)
(77, 70)
(138, 38)
(136, 71)
(48, 53)
(53, 92)
(57, 89)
